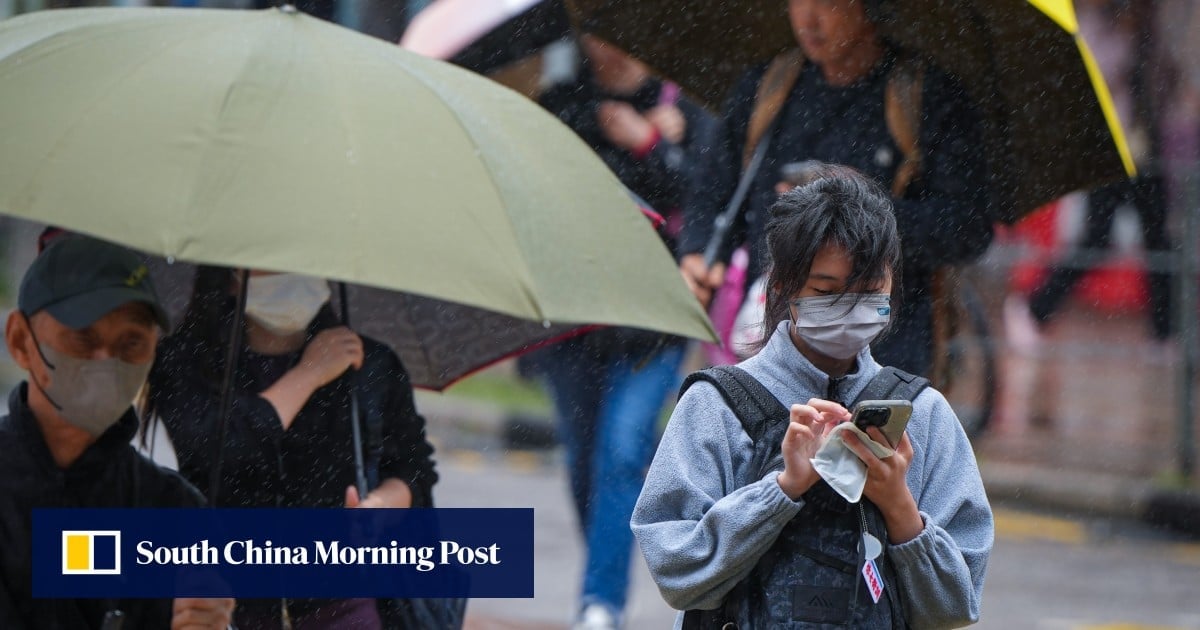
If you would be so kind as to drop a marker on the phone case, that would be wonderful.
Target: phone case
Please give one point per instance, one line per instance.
(867, 413)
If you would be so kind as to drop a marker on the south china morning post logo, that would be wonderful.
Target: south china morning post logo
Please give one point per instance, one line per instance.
(265, 553)
(330, 553)
(91, 552)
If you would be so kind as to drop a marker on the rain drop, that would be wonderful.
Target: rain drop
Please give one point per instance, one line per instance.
(545, 323)
(170, 260)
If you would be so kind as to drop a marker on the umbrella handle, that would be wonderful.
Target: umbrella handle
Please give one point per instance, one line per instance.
(725, 220)
(233, 352)
(360, 474)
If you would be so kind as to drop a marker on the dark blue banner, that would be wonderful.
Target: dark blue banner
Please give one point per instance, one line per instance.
(249, 553)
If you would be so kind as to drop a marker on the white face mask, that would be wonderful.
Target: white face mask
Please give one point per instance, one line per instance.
(285, 303)
(840, 326)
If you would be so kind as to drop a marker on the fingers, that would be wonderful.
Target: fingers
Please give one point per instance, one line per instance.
(805, 415)
(702, 293)
(798, 431)
(800, 441)
(830, 410)
(905, 448)
(711, 277)
(669, 121)
(352, 497)
(198, 613)
(898, 461)
(371, 501)
(716, 275)
(877, 434)
(861, 450)
(340, 346)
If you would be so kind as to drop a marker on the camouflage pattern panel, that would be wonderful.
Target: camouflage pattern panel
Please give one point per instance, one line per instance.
(810, 578)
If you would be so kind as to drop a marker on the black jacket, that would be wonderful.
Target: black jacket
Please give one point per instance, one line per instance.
(110, 473)
(310, 464)
(661, 176)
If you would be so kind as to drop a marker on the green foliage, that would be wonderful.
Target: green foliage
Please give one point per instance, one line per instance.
(510, 393)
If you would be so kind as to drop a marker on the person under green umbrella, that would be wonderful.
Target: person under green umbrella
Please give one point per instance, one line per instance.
(84, 330)
(289, 441)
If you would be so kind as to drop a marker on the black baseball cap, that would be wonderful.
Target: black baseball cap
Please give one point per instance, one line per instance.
(79, 279)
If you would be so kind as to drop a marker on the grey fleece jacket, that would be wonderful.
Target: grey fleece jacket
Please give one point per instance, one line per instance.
(704, 519)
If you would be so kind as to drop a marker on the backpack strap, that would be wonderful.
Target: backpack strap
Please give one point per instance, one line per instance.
(762, 416)
(773, 90)
(753, 404)
(893, 384)
(902, 112)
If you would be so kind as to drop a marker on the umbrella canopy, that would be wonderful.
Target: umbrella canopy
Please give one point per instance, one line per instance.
(504, 40)
(276, 141)
(1050, 124)
(446, 27)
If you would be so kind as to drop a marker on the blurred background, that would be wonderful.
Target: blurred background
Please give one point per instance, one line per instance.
(1085, 426)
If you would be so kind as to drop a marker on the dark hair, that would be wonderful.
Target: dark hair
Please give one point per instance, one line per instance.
(838, 206)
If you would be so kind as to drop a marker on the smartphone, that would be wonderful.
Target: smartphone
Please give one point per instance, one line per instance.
(891, 416)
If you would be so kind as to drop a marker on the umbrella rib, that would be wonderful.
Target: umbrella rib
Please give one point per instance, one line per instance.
(343, 126)
(417, 75)
(201, 184)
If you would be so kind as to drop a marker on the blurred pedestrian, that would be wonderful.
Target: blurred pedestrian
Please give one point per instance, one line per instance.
(85, 329)
(746, 527)
(1177, 39)
(846, 96)
(1120, 38)
(289, 434)
(609, 386)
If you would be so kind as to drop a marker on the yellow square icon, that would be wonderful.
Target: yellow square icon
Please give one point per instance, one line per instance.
(79, 552)
(91, 552)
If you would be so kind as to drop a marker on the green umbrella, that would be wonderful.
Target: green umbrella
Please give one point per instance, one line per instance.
(274, 140)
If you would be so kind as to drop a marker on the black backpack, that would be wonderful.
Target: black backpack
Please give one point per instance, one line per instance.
(817, 556)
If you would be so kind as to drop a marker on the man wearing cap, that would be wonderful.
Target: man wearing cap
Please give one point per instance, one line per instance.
(85, 331)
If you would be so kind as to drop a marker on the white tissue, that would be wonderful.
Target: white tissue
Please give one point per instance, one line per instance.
(840, 467)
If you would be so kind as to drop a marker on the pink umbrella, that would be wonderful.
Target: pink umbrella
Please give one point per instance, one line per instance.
(446, 27)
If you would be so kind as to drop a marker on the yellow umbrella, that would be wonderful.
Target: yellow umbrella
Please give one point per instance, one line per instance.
(1063, 13)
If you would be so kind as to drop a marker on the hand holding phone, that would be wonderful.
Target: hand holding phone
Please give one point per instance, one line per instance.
(891, 416)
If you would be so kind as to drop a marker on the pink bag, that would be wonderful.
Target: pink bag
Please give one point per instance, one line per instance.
(724, 309)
